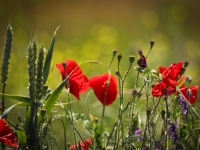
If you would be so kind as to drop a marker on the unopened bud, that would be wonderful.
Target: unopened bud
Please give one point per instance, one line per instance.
(119, 57)
(131, 58)
(118, 73)
(188, 79)
(140, 52)
(152, 43)
(114, 52)
(186, 63)
(134, 92)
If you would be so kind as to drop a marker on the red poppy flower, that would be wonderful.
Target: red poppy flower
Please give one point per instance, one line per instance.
(78, 82)
(161, 69)
(158, 89)
(84, 145)
(170, 76)
(105, 88)
(190, 93)
(7, 136)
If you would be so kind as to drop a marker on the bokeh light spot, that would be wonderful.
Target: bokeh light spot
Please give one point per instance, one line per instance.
(192, 49)
(149, 19)
(179, 12)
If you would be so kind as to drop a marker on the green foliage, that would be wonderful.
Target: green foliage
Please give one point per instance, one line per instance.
(134, 132)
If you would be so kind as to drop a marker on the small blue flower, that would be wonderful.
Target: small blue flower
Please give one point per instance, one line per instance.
(183, 104)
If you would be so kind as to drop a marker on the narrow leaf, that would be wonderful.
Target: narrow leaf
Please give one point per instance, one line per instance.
(47, 62)
(54, 96)
(52, 99)
(22, 139)
(5, 113)
(19, 98)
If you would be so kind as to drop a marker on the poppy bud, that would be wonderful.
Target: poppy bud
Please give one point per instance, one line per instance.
(118, 73)
(188, 79)
(182, 70)
(134, 92)
(131, 58)
(140, 52)
(114, 52)
(119, 57)
(152, 43)
(186, 63)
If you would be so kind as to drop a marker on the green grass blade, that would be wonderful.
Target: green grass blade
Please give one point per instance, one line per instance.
(19, 98)
(47, 62)
(54, 96)
(22, 139)
(5, 113)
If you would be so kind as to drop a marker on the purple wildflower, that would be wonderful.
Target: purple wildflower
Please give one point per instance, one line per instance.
(138, 134)
(172, 132)
(159, 145)
(146, 148)
(183, 104)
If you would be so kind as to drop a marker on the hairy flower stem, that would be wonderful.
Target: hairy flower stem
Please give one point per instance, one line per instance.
(119, 130)
(72, 119)
(109, 68)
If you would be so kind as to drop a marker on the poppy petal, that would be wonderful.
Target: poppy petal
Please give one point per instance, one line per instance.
(105, 88)
(158, 89)
(190, 93)
(78, 82)
(7, 136)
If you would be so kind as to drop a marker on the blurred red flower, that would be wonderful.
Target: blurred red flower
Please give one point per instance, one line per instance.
(105, 88)
(78, 82)
(190, 93)
(84, 145)
(7, 136)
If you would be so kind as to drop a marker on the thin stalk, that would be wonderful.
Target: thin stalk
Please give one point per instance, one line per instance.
(166, 116)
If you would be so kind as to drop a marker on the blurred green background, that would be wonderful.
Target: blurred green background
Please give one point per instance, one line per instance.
(91, 29)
